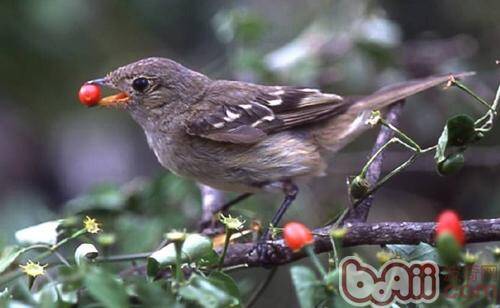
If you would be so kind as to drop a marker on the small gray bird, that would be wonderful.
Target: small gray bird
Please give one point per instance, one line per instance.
(238, 136)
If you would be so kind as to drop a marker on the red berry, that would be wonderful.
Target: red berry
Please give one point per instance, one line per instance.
(449, 222)
(297, 235)
(89, 94)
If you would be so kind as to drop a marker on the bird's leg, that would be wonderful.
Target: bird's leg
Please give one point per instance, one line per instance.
(290, 190)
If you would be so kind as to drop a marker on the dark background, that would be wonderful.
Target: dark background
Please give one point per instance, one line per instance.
(52, 149)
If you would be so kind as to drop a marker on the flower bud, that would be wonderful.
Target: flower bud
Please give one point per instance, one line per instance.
(338, 233)
(470, 258)
(176, 236)
(106, 239)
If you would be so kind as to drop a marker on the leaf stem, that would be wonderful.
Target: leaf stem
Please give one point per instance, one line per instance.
(229, 233)
(123, 258)
(464, 88)
(387, 177)
(314, 258)
(178, 261)
(50, 250)
(260, 288)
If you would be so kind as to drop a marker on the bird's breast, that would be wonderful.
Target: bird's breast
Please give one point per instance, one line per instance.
(238, 167)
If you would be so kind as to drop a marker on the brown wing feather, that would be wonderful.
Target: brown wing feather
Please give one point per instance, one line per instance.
(239, 112)
(244, 113)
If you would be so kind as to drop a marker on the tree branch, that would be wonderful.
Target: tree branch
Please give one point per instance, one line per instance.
(410, 233)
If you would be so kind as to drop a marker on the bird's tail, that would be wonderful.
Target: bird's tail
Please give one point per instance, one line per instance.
(342, 129)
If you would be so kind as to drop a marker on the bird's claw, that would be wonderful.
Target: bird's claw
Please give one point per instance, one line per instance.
(268, 254)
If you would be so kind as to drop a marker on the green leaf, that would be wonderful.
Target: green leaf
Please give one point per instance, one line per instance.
(138, 233)
(338, 302)
(103, 287)
(48, 301)
(194, 247)
(9, 255)
(210, 259)
(205, 293)
(441, 146)
(225, 282)
(452, 164)
(153, 295)
(54, 292)
(461, 130)
(332, 279)
(306, 285)
(105, 197)
(4, 298)
(420, 252)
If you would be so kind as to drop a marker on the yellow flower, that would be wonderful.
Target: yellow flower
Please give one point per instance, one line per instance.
(231, 223)
(33, 269)
(91, 225)
(470, 258)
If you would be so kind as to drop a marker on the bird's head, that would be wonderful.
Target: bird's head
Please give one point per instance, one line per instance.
(150, 84)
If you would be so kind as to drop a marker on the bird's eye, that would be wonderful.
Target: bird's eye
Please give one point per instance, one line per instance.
(140, 84)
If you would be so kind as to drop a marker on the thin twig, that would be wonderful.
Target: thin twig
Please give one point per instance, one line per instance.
(261, 287)
(360, 212)
(238, 199)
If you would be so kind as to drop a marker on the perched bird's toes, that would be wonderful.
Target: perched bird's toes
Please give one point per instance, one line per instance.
(269, 255)
(265, 253)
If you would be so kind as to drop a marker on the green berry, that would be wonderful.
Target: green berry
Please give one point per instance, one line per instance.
(358, 187)
(452, 164)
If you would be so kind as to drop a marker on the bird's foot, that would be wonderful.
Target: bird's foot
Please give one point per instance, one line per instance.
(269, 254)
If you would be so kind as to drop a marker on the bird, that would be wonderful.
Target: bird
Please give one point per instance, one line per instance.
(243, 137)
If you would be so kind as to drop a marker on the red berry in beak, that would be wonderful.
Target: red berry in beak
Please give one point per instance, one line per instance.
(89, 95)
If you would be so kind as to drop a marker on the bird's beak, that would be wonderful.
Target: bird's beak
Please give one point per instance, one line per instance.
(116, 100)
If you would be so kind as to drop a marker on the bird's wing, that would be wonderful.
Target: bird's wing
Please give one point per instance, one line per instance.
(244, 113)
